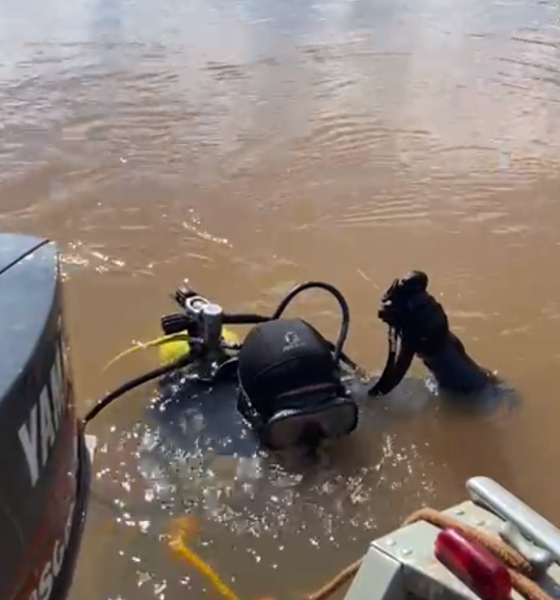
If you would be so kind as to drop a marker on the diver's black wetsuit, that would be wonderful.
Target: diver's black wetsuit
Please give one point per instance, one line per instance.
(455, 371)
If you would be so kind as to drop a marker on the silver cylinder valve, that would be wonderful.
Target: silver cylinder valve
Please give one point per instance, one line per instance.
(212, 321)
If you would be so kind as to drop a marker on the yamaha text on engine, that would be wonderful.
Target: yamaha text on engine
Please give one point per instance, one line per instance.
(45, 464)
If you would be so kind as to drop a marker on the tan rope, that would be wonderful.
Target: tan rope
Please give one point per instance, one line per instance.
(508, 555)
(519, 567)
(345, 576)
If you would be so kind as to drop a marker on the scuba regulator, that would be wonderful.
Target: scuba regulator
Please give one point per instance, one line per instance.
(289, 379)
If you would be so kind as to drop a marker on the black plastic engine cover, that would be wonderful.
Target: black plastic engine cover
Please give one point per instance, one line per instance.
(43, 463)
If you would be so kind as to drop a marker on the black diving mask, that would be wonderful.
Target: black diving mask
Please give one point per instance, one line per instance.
(290, 387)
(289, 428)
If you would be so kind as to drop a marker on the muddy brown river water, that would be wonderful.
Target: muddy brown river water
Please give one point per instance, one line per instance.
(252, 145)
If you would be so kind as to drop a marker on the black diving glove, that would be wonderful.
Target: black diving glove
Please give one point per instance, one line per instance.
(422, 323)
(415, 314)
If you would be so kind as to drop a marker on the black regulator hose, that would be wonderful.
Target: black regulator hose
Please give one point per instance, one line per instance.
(345, 310)
(244, 319)
(397, 365)
(131, 384)
(254, 319)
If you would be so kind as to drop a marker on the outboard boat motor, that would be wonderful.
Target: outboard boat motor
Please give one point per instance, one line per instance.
(45, 466)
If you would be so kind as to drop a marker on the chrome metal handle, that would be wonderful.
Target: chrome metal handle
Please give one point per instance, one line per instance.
(537, 529)
(540, 559)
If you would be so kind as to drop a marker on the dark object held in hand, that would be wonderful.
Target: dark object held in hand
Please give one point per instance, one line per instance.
(415, 314)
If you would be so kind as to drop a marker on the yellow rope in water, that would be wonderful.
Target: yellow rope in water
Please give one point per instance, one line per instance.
(178, 546)
(165, 339)
(179, 529)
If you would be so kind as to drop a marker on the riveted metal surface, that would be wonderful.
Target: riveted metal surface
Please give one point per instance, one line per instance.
(420, 574)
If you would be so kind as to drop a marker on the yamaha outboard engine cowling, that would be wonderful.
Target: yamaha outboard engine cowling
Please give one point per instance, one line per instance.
(44, 463)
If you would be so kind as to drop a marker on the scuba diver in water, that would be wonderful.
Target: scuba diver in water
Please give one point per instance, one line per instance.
(294, 387)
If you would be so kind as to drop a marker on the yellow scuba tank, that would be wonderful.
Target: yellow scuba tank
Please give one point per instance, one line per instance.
(170, 347)
(177, 345)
